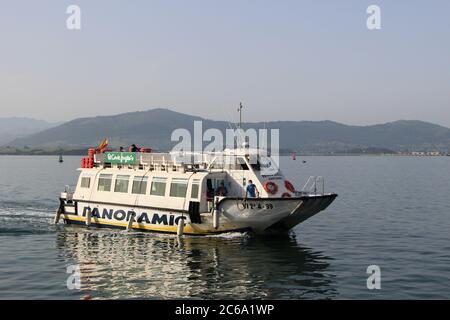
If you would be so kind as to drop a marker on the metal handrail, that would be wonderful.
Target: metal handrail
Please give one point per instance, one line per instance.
(314, 185)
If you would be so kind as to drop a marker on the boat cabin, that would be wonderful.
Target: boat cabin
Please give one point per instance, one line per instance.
(177, 182)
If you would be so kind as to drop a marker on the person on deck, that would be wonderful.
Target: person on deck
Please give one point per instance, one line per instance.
(252, 191)
(133, 148)
(222, 190)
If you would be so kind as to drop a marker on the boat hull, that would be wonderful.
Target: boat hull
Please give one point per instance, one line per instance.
(258, 215)
(275, 214)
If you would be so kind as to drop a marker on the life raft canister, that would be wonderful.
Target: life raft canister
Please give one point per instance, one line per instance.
(92, 152)
(286, 195)
(271, 187)
(146, 150)
(289, 186)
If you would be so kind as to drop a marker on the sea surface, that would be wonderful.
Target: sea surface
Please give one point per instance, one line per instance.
(392, 212)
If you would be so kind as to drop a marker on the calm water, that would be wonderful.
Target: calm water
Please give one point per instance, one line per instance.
(393, 212)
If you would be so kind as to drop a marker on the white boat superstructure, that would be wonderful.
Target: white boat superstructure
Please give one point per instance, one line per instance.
(189, 193)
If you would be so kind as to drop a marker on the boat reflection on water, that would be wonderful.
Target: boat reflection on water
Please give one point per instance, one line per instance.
(231, 266)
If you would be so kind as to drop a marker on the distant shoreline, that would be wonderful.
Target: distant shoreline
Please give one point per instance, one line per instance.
(362, 151)
(298, 156)
(41, 152)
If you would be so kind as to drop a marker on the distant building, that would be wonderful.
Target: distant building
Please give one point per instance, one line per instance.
(434, 153)
(426, 153)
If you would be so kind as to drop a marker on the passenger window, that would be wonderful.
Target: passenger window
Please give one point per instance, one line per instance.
(158, 187)
(139, 185)
(178, 188)
(104, 182)
(85, 182)
(195, 188)
(121, 184)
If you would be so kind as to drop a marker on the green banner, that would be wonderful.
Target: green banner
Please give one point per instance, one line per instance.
(121, 157)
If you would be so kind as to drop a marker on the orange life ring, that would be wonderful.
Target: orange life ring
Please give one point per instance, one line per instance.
(271, 187)
(289, 186)
(286, 195)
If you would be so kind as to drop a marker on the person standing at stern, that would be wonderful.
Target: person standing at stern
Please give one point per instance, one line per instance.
(252, 190)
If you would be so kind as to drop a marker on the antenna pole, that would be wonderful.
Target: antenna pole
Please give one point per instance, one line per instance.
(240, 115)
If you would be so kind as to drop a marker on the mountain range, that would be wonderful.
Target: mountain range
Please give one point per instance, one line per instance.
(153, 128)
(14, 128)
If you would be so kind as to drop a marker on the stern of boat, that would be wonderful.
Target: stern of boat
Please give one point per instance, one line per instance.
(66, 205)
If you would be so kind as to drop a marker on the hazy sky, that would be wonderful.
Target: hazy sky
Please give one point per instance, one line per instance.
(285, 60)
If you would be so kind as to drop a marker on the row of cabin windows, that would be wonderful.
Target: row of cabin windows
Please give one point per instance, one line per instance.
(178, 187)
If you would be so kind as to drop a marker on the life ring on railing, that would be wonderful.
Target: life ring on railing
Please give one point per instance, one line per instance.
(286, 195)
(289, 186)
(271, 187)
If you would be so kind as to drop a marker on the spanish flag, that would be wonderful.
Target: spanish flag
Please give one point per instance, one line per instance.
(104, 144)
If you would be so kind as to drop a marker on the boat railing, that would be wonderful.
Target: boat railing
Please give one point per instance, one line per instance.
(314, 185)
(186, 160)
(163, 161)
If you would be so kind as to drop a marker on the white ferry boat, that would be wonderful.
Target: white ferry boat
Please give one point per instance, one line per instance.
(194, 194)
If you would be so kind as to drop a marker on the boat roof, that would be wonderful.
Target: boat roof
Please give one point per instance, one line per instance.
(187, 161)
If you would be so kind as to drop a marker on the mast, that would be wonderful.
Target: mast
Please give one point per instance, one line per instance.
(245, 142)
(240, 115)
